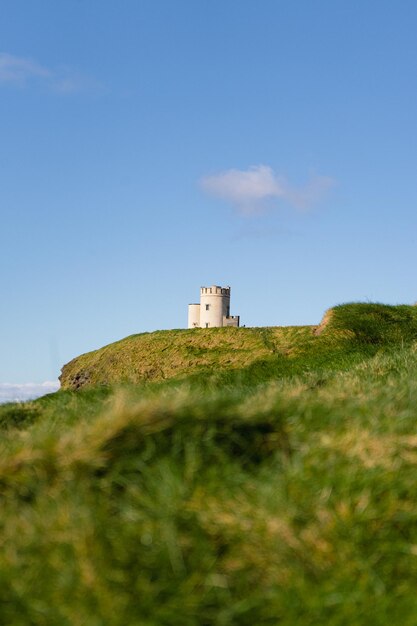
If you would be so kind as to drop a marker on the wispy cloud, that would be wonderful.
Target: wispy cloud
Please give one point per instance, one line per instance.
(251, 190)
(21, 72)
(18, 70)
(10, 392)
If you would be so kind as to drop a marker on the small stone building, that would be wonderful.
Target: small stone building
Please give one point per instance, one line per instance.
(213, 310)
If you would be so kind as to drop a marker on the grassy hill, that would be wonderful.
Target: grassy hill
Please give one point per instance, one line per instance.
(279, 488)
(245, 355)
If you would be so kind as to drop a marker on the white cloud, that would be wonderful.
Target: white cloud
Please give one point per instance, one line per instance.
(10, 392)
(20, 71)
(252, 189)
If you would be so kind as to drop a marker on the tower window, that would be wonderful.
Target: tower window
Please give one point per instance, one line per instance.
(207, 307)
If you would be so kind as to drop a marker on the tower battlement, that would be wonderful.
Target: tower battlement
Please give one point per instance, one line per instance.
(213, 310)
(215, 290)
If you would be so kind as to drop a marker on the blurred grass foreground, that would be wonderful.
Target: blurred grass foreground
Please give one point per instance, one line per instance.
(219, 477)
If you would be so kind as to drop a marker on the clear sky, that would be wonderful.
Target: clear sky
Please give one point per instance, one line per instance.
(148, 147)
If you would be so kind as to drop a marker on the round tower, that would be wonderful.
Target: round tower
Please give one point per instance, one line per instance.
(214, 306)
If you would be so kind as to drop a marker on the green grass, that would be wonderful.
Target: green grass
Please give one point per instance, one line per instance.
(245, 356)
(279, 490)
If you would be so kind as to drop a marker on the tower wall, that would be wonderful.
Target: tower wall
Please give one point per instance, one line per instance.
(193, 316)
(232, 320)
(214, 305)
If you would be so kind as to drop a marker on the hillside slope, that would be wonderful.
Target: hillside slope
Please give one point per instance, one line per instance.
(179, 353)
(282, 494)
(347, 334)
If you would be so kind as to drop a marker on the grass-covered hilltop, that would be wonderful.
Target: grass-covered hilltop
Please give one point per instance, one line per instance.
(250, 476)
(216, 356)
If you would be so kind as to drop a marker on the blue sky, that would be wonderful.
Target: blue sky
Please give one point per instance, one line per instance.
(149, 147)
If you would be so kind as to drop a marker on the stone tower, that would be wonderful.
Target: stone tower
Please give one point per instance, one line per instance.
(213, 310)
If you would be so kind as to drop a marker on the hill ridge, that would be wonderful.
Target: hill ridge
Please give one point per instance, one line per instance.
(347, 331)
